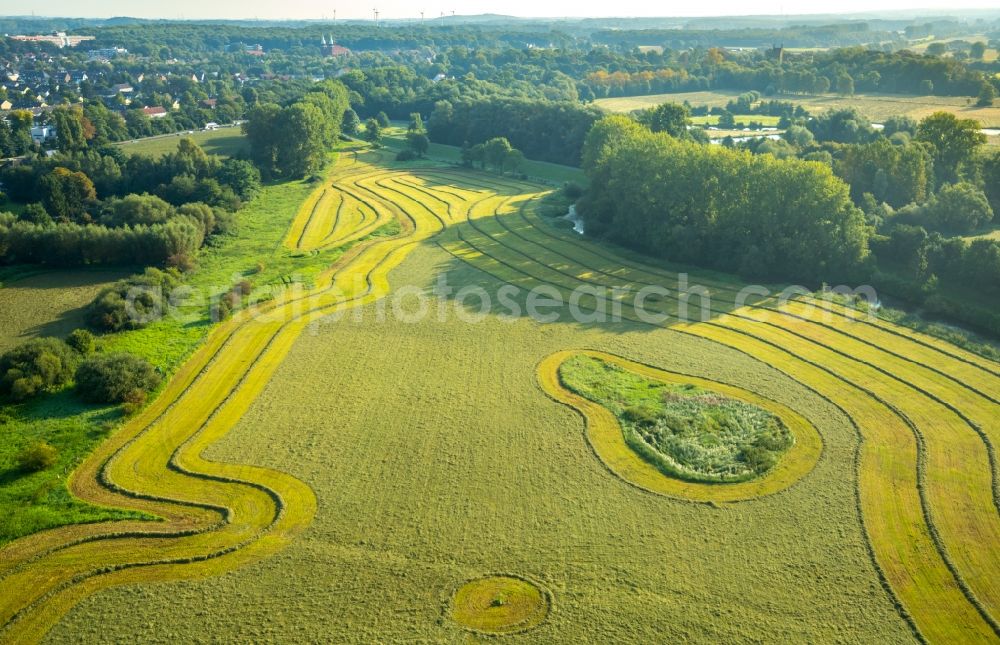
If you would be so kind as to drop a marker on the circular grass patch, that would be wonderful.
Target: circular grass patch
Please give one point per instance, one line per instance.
(499, 604)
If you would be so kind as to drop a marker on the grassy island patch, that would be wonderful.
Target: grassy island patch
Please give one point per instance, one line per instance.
(683, 430)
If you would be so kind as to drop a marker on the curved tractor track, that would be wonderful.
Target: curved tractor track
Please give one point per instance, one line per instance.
(925, 412)
(215, 516)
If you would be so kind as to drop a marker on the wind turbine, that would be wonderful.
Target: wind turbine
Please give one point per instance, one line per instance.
(375, 11)
(335, 15)
(421, 17)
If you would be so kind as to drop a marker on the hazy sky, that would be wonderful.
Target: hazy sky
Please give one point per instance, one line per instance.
(190, 9)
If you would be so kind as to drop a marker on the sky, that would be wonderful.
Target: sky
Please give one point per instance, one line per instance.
(396, 9)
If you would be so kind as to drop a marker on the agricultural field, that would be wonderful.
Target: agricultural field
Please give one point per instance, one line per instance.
(49, 303)
(425, 473)
(876, 107)
(226, 142)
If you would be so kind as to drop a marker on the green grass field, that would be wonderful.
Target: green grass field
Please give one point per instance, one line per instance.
(876, 107)
(337, 468)
(226, 142)
(48, 303)
(394, 138)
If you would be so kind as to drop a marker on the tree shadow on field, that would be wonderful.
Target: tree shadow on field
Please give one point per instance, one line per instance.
(517, 263)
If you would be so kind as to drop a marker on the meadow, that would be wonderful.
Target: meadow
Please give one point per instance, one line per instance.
(227, 142)
(325, 475)
(48, 303)
(877, 107)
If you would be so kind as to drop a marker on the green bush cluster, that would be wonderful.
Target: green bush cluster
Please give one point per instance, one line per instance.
(115, 378)
(134, 302)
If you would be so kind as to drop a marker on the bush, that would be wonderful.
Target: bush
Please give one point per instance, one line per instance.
(37, 457)
(82, 341)
(406, 155)
(114, 378)
(38, 365)
(572, 190)
(134, 302)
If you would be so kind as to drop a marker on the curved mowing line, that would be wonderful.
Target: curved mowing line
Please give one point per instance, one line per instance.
(934, 344)
(605, 437)
(509, 266)
(255, 532)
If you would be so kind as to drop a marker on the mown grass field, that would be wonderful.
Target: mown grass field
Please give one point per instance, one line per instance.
(390, 459)
(226, 142)
(48, 303)
(876, 107)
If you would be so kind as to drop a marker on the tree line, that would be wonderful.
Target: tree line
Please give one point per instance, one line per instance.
(104, 207)
(765, 218)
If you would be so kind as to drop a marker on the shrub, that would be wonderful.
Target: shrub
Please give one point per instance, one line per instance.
(82, 341)
(133, 402)
(406, 155)
(37, 457)
(38, 365)
(134, 302)
(114, 378)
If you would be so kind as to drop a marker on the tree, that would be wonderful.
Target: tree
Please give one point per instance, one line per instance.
(821, 85)
(135, 210)
(383, 119)
(112, 378)
(845, 85)
(81, 341)
(68, 194)
(513, 160)
(955, 142)
(418, 142)
(799, 136)
(495, 152)
(305, 134)
(726, 120)
(987, 93)
(416, 123)
(73, 129)
(991, 180)
(351, 123)
(959, 208)
(241, 176)
(373, 132)
(671, 118)
(260, 129)
(926, 86)
(41, 364)
(895, 124)
(977, 50)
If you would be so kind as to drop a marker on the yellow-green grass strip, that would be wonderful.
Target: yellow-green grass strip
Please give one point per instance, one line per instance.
(604, 434)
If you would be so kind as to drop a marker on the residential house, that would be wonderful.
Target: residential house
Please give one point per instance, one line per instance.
(42, 134)
(155, 112)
